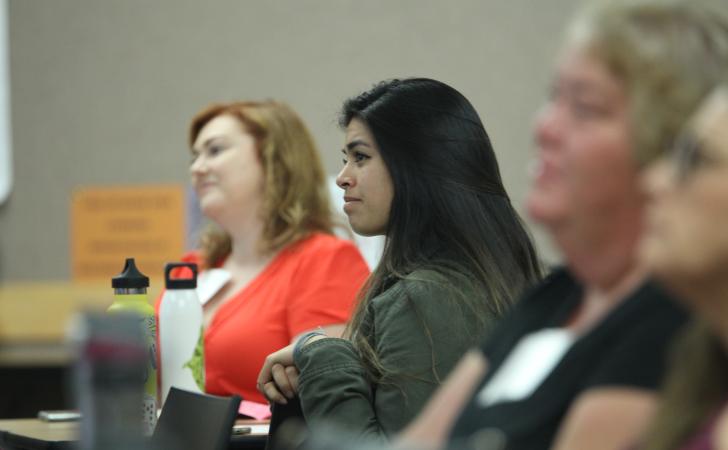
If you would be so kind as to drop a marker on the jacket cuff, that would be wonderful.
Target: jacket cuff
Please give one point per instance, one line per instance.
(325, 355)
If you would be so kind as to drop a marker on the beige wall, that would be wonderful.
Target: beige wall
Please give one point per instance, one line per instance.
(102, 90)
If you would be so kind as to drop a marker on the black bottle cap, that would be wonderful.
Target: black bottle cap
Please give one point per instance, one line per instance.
(130, 277)
(180, 283)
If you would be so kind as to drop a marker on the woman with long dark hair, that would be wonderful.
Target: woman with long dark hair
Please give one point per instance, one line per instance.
(418, 168)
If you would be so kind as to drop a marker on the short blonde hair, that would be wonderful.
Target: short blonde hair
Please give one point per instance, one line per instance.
(669, 55)
(296, 200)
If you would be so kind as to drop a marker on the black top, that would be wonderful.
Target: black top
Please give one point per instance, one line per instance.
(627, 348)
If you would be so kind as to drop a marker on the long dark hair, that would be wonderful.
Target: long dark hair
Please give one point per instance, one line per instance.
(450, 212)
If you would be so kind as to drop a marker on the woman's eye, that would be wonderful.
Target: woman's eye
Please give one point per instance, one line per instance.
(359, 157)
(344, 161)
(214, 150)
(588, 110)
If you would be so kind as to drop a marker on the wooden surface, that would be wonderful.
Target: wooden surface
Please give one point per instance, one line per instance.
(34, 318)
(43, 431)
(34, 433)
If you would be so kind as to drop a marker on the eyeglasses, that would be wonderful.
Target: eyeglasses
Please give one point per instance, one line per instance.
(688, 154)
(691, 151)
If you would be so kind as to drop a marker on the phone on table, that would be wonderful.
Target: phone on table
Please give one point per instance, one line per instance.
(241, 429)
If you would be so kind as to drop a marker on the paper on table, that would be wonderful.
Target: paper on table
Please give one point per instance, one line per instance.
(258, 411)
(259, 429)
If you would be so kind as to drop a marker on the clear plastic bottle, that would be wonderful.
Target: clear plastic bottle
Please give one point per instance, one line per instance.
(109, 371)
(130, 296)
(181, 337)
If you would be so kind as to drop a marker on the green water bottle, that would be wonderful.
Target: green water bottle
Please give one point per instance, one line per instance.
(130, 296)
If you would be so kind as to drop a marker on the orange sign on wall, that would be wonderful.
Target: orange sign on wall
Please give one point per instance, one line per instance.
(110, 224)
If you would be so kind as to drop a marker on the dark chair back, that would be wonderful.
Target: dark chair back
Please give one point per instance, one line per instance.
(193, 421)
(281, 414)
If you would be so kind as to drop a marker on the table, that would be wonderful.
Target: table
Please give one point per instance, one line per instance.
(34, 354)
(34, 434)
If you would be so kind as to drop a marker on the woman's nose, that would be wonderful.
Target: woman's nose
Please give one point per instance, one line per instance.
(547, 127)
(199, 165)
(344, 179)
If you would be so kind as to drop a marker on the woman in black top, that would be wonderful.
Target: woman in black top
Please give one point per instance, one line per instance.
(576, 364)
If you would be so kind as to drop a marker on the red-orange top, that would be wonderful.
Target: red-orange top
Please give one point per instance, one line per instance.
(311, 283)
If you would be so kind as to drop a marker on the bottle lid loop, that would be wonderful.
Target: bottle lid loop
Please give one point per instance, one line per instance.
(180, 283)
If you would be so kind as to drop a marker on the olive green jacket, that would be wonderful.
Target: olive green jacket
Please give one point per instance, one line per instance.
(419, 330)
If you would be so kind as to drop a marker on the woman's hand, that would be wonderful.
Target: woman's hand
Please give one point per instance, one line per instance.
(278, 379)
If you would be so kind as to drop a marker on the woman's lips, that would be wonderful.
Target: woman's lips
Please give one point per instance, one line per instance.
(349, 203)
(653, 220)
(202, 187)
(542, 171)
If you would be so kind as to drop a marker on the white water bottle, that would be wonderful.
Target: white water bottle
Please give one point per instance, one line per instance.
(181, 337)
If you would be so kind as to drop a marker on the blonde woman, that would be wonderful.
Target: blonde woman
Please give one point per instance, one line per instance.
(578, 363)
(686, 248)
